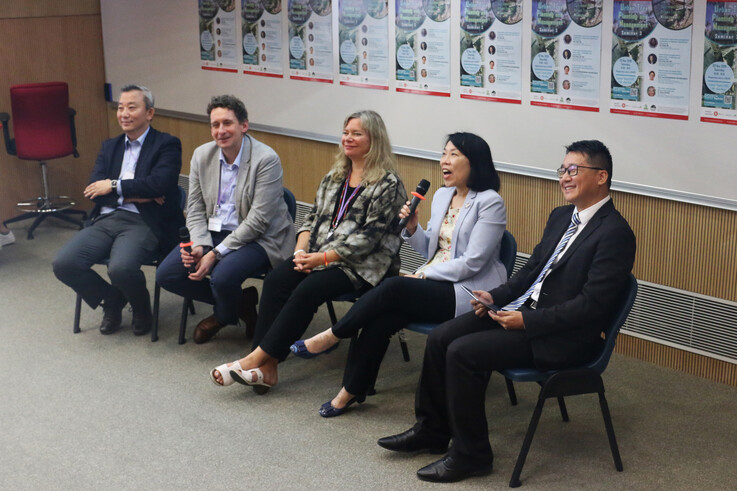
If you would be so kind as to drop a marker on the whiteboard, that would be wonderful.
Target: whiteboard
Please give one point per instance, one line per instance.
(155, 43)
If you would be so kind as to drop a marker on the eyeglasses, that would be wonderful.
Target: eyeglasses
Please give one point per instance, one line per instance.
(573, 169)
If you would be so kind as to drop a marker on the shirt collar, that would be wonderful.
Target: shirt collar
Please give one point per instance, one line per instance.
(237, 162)
(589, 212)
(140, 139)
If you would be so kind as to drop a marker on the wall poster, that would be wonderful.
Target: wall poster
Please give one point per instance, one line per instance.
(262, 37)
(363, 33)
(218, 38)
(310, 40)
(720, 65)
(491, 50)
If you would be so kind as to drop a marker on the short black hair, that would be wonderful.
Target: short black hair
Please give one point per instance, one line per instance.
(597, 153)
(483, 175)
(229, 102)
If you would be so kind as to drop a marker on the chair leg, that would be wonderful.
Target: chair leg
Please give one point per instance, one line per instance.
(403, 345)
(515, 482)
(331, 312)
(610, 432)
(155, 327)
(563, 410)
(191, 307)
(510, 390)
(34, 225)
(183, 321)
(77, 313)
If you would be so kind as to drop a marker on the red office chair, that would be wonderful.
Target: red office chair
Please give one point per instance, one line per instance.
(44, 129)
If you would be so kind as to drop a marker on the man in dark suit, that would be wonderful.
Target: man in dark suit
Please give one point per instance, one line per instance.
(552, 315)
(136, 216)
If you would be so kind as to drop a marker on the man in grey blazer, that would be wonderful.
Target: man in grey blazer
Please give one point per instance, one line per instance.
(238, 221)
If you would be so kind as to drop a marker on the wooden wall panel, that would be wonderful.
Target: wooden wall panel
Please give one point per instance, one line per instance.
(37, 49)
(679, 245)
(35, 8)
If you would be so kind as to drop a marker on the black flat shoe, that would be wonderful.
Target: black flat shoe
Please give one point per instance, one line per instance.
(328, 411)
(414, 440)
(453, 469)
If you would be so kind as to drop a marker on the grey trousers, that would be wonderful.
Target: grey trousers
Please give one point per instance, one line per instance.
(127, 241)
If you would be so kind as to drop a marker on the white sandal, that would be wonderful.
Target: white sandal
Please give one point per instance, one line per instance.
(225, 369)
(259, 387)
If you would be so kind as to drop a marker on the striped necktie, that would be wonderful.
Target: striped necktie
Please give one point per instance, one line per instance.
(575, 222)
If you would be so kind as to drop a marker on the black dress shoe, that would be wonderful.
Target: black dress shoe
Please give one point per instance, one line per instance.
(452, 469)
(414, 440)
(142, 323)
(112, 312)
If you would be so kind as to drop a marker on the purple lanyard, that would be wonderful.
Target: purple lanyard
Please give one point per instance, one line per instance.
(343, 206)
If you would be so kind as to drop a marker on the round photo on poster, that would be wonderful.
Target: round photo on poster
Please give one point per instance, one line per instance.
(507, 11)
(585, 13)
(272, 6)
(378, 9)
(723, 32)
(321, 7)
(352, 13)
(633, 20)
(476, 17)
(208, 9)
(550, 17)
(410, 16)
(437, 10)
(226, 5)
(299, 11)
(252, 10)
(674, 14)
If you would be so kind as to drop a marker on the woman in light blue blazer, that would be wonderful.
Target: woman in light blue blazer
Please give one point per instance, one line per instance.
(462, 244)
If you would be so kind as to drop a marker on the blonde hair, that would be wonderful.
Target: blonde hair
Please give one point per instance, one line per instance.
(379, 158)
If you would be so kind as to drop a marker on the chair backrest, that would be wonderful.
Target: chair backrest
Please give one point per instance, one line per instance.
(627, 299)
(508, 252)
(291, 202)
(41, 120)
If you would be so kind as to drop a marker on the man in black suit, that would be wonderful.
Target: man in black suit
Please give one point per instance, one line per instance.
(552, 315)
(136, 216)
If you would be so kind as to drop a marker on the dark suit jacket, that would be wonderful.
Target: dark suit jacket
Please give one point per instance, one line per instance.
(157, 173)
(580, 292)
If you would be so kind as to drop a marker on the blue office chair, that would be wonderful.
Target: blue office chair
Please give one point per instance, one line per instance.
(574, 381)
(507, 255)
(157, 288)
(188, 304)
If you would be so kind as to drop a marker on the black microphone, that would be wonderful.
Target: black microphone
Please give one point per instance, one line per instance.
(419, 195)
(186, 244)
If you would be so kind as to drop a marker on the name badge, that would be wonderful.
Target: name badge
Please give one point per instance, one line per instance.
(214, 224)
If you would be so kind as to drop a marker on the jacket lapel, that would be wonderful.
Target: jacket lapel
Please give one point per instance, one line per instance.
(590, 227)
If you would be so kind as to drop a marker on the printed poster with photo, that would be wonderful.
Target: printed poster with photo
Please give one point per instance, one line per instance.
(566, 54)
(363, 33)
(491, 50)
(262, 37)
(422, 38)
(651, 58)
(310, 40)
(720, 63)
(218, 37)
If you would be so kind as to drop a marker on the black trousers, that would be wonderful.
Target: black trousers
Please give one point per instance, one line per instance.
(459, 358)
(289, 300)
(125, 238)
(380, 313)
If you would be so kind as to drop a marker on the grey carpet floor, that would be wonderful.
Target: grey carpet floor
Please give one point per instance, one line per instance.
(87, 411)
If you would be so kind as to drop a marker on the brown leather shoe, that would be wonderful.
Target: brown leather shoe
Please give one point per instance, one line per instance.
(207, 329)
(247, 309)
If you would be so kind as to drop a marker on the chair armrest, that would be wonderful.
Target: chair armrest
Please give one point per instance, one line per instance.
(73, 128)
(9, 142)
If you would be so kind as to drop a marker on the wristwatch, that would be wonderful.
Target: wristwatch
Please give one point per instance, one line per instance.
(218, 256)
(114, 184)
(421, 275)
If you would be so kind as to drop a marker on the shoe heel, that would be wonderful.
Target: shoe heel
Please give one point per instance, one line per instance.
(260, 389)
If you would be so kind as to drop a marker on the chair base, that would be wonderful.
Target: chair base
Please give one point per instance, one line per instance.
(42, 208)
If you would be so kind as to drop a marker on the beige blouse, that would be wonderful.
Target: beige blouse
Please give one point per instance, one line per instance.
(445, 235)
